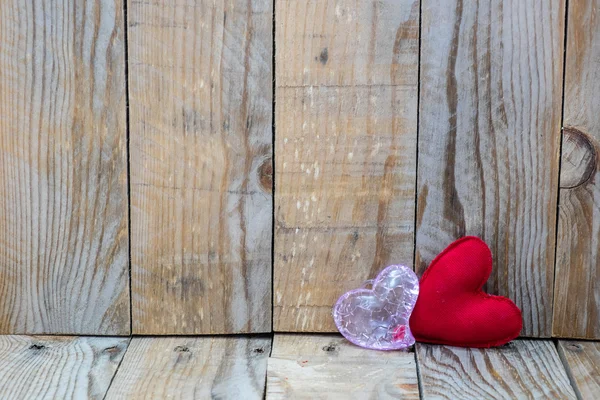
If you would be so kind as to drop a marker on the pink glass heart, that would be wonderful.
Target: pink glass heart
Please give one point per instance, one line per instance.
(378, 318)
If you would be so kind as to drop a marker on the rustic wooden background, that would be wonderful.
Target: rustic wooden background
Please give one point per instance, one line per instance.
(228, 166)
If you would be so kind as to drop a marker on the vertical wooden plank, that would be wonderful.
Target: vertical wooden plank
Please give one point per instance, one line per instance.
(327, 366)
(345, 151)
(577, 288)
(63, 180)
(491, 85)
(201, 139)
(55, 367)
(193, 368)
(582, 362)
(523, 369)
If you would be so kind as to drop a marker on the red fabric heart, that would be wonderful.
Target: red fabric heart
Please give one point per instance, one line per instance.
(452, 308)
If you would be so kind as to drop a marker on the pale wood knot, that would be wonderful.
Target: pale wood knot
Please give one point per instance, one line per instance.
(112, 349)
(181, 349)
(330, 348)
(579, 159)
(323, 57)
(574, 347)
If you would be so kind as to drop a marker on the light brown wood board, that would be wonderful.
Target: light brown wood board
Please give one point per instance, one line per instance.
(346, 122)
(63, 168)
(200, 82)
(55, 367)
(577, 286)
(489, 139)
(329, 367)
(231, 367)
(582, 362)
(523, 369)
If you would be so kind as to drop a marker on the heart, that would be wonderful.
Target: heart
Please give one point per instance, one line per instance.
(377, 318)
(453, 309)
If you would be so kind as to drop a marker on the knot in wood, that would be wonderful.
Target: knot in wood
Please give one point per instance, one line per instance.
(578, 160)
(112, 349)
(265, 175)
(181, 349)
(330, 348)
(574, 347)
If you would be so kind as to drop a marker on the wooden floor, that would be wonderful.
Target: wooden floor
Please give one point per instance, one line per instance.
(290, 366)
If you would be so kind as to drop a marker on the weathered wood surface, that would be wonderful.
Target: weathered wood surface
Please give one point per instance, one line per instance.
(491, 90)
(577, 288)
(345, 150)
(201, 140)
(193, 368)
(63, 182)
(523, 369)
(582, 362)
(328, 366)
(55, 367)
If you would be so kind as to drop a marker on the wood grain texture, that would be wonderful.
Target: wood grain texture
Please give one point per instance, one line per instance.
(577, 287)
(582, 362)
(491, 90)
(201, 140)
(63, 181)
(345, 150)
(193, 368)
(329, 367)
(523, 369)
(55, 367)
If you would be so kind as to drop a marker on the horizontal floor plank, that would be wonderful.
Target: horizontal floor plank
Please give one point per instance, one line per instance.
(226, 367)
(582, 362)
(55, 367)
(522, 369)
(327, 366)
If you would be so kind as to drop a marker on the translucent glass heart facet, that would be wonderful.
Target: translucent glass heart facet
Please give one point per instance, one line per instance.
(378, 318)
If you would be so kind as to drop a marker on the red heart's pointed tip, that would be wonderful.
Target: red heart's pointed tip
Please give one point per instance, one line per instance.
(451, 307)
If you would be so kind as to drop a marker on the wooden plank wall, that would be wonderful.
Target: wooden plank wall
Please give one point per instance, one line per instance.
(63, 168)
(491, 93)
(346, 112)
(577, 289)
(201, 134)
(397, 122)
